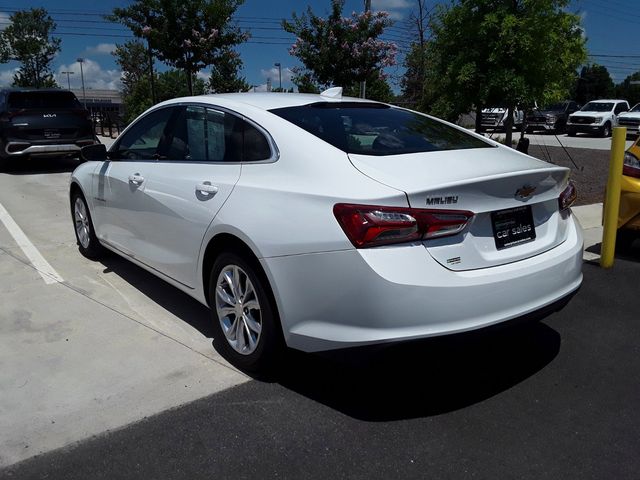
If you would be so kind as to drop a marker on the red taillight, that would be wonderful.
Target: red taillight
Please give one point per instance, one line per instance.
(371, 225)
(568, 196)
(631, 167)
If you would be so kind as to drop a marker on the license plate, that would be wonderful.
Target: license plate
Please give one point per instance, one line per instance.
(513, 227)
(49, 133)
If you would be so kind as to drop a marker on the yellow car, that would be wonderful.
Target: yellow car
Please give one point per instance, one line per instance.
(629, 216)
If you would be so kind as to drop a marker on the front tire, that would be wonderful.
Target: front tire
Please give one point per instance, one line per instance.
(571, 132)
(247, 328)
(88, 243)
(606, 130)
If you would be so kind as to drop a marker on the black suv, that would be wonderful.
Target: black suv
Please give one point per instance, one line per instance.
(45, 122)
(551, 118)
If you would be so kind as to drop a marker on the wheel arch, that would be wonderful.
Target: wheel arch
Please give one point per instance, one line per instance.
(226, 241)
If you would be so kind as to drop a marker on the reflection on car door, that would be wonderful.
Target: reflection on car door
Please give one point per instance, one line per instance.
(121, 202)
(198, 169)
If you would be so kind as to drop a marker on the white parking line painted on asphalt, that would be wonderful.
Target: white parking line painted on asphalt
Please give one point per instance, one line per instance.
(46, 271)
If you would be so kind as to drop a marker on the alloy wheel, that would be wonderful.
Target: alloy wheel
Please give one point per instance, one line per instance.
(81, 220)
(238, 309)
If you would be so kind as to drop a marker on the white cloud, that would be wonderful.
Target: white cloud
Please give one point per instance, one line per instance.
(272, 73)
(259, 88)
(6, 77)
(101, 49)
(389, 4)
(392, 7)
(94, 76)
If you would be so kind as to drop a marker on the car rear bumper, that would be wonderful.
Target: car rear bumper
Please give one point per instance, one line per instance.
(38, 149)
(358, 297)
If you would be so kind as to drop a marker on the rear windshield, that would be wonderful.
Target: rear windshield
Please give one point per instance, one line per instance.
(42, 100)
(597, 107)
(376, 129)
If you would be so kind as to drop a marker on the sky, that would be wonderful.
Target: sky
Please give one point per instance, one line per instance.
(609, 25)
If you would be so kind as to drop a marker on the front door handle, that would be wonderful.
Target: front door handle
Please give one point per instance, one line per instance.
(206, 188)
(136, 179)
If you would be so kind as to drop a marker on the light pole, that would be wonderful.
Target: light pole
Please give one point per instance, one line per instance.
(84, 97)
(279, 74)
(68, 81)
(363, 84)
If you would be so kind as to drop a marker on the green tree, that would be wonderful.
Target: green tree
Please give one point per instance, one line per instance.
(501, 52)
(338, 50)
(169, 84)
(186, 34)
(133, 59)
(377, 89)
(594, 82)
(28, 40)
(628, 91)
(225, 77)
(413, 80)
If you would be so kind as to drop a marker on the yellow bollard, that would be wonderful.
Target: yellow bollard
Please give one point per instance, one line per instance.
(612, 200)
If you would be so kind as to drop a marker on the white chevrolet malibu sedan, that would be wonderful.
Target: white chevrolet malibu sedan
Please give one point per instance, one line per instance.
(320, 222)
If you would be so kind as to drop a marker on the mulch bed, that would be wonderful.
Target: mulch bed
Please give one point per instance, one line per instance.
(589, 172)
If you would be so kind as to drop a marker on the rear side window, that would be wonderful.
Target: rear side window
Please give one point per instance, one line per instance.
(42, 100)
(208, 135)
(376, 129)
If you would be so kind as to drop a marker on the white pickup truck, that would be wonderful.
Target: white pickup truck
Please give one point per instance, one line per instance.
(596, 117)
(494, 118)
(631, 120)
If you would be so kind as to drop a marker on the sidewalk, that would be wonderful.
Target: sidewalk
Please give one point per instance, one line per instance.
(590, 217)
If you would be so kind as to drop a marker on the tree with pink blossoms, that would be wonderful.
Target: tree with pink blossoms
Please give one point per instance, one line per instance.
(339, 50)
(186, 34)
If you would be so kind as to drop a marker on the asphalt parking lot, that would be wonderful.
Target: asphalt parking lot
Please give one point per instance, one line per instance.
(107, 372)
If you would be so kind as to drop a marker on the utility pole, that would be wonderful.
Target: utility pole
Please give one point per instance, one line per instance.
(68, 81)
(363, 84)
(279, 65)
(151, 75)
(84, 96)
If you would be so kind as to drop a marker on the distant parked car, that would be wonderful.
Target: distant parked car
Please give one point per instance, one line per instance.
(552, 118)
(321, 222)
(494, 118)
(42, 122)
(596, 117)
(631, 120)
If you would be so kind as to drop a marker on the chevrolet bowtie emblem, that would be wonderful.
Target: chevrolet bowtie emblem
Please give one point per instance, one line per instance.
(524, 192)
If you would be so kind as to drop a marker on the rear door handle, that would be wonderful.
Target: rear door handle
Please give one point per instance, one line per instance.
(136, 179)
(206, 188)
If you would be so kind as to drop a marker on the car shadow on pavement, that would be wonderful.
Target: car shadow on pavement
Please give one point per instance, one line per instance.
(422, 378)
(167, 296)
(37, 166)
(630, 253)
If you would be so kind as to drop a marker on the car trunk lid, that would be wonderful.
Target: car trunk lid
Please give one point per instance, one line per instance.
(505, 190)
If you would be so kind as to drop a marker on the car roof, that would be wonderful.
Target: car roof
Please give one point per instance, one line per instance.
(608, 100)
(265, 100)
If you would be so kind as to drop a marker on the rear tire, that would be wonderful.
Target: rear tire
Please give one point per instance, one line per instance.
(245, 319)
(88, 243)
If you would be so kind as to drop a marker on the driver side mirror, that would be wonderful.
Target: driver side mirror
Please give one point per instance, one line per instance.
(97, 152)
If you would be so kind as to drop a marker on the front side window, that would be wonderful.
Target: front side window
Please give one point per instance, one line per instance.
(142, 140)
(377, 129)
